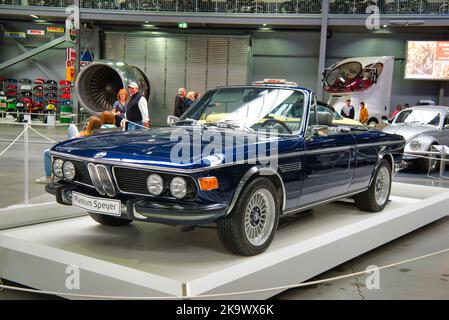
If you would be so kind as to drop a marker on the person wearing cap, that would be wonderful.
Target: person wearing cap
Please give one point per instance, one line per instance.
(137, 109)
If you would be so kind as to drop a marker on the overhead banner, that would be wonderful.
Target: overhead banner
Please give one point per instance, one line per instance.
(427, 60)
(36, 32)
(55, 29)
(14, 34)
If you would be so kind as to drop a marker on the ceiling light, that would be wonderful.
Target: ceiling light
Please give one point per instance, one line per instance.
(40, 21)
(264, 25)
(148, 25)
(34, 16)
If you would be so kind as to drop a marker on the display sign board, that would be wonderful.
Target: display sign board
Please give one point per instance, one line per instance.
(55, 29)
(70, 64)
(427, 60)
(15, 34)
(36, 32)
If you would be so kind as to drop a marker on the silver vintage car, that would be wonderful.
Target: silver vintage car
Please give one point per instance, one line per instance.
(422, 127)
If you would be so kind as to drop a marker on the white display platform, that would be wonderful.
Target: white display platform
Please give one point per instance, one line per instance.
(148, 260)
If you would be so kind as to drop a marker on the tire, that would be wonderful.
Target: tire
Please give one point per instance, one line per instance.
(423, 164)
(231, 229)
(372, 122)
(371, 200)
(109, 220)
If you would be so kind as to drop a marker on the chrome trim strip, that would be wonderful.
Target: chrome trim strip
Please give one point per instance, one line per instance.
(95, 178)
(297, 209)
(105, 178)
(187, 171)
(328, 150)
(247, 176)
(373, 144)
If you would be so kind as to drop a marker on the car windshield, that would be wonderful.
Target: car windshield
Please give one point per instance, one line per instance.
(255, 108)
(335, 114)
(418, 116)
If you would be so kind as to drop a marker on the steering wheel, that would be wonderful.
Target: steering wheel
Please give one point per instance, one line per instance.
(282, 123)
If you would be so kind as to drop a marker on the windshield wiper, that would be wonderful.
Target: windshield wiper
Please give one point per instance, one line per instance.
(191, 122)
(222, 124)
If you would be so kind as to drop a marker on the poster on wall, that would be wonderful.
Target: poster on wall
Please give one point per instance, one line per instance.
(16, 35)
(427, 60)
(36, 32)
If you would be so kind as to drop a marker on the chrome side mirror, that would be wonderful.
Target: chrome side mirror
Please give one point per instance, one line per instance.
(172, 120)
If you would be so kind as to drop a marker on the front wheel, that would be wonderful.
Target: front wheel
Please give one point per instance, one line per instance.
(376, 197)
(109, 220)
(250, 228)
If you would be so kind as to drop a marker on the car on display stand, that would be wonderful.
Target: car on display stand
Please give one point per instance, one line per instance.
(258, 166)
(422, 128)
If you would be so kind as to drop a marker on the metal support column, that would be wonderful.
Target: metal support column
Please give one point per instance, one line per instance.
(323, 44)
(79, 52)
(441, 93)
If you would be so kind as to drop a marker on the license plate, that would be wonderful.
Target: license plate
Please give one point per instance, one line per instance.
(99, 205)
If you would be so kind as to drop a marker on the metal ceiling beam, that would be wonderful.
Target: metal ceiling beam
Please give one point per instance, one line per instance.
(428, 20)
(32, 52)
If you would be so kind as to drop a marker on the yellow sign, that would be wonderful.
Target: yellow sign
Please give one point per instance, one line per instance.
(55, 29)
(70, 73)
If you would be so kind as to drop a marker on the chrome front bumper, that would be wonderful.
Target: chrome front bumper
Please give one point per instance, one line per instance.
(141, 209)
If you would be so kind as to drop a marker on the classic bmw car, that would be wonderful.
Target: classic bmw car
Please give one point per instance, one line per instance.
(422, 127)
(140, 176)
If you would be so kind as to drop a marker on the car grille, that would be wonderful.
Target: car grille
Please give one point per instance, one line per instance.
(82, 174)
(102, 179)
(132, 180)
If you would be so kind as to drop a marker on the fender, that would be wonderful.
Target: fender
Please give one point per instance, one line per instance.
(383, 154)
(261, 171)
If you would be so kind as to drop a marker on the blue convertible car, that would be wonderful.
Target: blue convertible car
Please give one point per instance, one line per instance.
(239, 157)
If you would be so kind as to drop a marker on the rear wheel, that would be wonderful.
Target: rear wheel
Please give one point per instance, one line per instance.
(109, 220)
(250, 228)
(376, 197)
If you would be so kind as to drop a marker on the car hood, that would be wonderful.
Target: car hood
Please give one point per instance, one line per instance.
(409, 132)
(159, 147)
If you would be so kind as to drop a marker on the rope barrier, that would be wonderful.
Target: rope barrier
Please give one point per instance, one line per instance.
(46, 138)
(189, 297)
(14, 141)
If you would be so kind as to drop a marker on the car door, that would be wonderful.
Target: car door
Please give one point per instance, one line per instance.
(367, 155)
(329, 161)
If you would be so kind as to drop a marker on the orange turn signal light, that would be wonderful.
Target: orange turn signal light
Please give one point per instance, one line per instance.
(208, 183)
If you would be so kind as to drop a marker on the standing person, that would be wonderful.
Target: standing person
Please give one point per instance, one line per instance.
(180, 102)
(348, 110)
(364, 116)
(395, 112)
(190, 98)
(119, 107)
(136, 109)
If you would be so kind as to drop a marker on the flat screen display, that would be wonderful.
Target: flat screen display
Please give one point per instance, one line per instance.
(427, 60)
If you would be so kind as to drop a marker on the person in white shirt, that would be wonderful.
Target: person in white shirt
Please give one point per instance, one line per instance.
(136, 112)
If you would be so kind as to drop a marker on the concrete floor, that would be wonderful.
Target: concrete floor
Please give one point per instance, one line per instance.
(427, 279)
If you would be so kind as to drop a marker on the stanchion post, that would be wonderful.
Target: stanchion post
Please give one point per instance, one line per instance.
(25, 160)
(442, 159)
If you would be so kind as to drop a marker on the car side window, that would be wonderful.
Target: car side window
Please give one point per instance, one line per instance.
(446, 122)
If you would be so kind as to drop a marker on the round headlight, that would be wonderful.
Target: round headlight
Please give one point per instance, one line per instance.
(178, 187)
(415, 145)
(68, 170)
(155, 184)
(57, 168)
